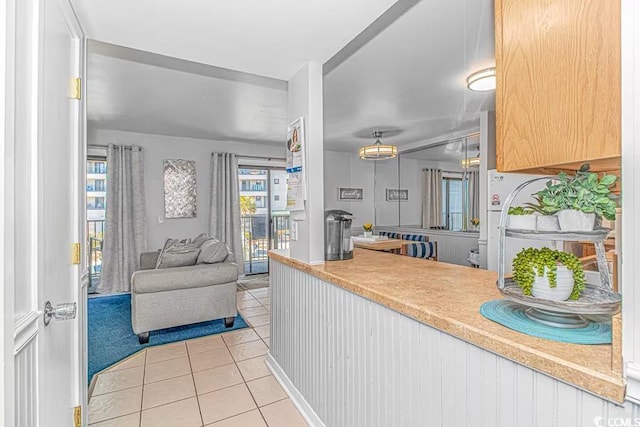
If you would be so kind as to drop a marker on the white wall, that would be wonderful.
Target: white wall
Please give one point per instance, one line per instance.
(305, 100)
(158, 148)
(487, 162)
(344, 169)
(348, 170)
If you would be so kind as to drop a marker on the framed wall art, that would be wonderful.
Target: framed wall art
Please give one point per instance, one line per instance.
(397, 195)
(350, 194)
(180, 189)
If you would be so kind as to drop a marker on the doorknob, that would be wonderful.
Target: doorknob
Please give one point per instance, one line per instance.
(63, 311)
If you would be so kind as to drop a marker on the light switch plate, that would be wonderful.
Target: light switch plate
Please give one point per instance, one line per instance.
(160, 219)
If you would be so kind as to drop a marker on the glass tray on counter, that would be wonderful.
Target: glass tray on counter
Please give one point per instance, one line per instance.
(594, 300)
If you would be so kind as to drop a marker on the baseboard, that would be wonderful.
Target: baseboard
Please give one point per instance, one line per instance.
(300, 402)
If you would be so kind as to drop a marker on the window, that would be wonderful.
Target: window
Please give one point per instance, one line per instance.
(452, 203)
(260, 202)
(276, 181)
(97, 167)
(276, 198)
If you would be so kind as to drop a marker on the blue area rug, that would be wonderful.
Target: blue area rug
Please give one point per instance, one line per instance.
(111, 337)
(511, 315)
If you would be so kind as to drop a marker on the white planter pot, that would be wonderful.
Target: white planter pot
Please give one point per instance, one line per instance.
(368, 234)
(563, 289)
(573, 220)
(547, 223)
(521, 222)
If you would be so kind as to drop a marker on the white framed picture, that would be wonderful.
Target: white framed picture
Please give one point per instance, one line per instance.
(397, 195)
(350, 194)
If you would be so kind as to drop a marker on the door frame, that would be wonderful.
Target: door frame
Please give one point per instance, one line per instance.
(7, 102)
(16, 333)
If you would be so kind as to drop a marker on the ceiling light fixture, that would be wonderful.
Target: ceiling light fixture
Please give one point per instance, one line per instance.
(470, 162)
(378, 151)
(482, 80)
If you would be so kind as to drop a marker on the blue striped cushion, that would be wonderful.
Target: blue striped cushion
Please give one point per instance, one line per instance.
(390, 234)
(415, 237)
(421, 250)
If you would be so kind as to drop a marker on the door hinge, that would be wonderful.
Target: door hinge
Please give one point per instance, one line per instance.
(77, 416)
(75, 253)
(76, 91)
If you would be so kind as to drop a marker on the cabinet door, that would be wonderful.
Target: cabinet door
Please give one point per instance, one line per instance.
(558, 84)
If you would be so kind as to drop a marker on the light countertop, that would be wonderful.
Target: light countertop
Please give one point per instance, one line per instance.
(448, 297)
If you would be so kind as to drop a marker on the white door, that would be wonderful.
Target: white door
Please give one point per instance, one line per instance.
(42, 213)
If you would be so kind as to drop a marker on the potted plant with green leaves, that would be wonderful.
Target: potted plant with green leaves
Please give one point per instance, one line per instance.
(368, 229)
(544, 221)
(548, 274)
(521, 218)
(578, 199)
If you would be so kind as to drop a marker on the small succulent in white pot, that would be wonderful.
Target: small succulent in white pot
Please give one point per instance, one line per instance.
(521, 218)
(578, 199)
(548, 274)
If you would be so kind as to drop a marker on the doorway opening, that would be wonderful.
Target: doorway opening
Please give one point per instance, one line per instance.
(264, 218)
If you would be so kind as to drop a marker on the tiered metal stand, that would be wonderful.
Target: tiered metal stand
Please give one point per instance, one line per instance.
(595, 299)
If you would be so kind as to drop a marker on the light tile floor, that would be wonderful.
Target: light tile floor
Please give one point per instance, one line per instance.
(219, 380)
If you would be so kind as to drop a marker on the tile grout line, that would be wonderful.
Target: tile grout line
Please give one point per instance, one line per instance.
(144, 373)
(247, 385)
(193, 378)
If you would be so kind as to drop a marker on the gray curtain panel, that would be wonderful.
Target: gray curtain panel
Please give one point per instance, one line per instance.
(224, 222)
(125, 235)
(474, 195)
(431, 198)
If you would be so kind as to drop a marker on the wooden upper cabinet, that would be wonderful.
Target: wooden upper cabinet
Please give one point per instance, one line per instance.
(558, 84)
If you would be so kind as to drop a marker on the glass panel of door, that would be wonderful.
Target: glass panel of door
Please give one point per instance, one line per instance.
(263, 216)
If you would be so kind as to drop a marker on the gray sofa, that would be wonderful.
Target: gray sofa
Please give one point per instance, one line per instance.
(168, 297)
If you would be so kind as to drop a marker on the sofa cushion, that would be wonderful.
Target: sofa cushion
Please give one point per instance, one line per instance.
(200, 239)
(168, 242)
(212, 251)
(178, 255)
(196, 276)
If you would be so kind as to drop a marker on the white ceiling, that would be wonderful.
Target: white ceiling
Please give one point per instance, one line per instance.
(270, 38)
(134, 96)
(451, 153)
(410, 79)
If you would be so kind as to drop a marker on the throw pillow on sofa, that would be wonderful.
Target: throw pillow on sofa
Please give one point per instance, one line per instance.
(178, 255)
(200, 239)
(213, 251)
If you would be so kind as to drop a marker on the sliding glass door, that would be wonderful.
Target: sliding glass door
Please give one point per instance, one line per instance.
(264, 218)
(96, 202)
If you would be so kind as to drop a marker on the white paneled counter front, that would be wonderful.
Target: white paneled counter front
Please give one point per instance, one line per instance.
(384, 340)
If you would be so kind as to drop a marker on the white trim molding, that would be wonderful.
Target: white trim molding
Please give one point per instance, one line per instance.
(633, 382)
(295, 396)
(26, 329)
(630, 46)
